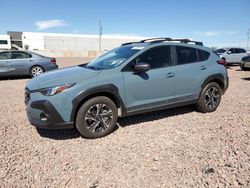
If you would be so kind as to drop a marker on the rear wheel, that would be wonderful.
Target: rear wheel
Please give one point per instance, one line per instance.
(210, 98)
(242, 67)
(97, 117)
(36, 70)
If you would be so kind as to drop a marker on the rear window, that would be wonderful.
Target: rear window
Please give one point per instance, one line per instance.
(186, 55)
(239, 50)
(20, 55)
(203, 55)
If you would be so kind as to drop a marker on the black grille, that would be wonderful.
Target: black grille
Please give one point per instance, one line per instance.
(26, 95)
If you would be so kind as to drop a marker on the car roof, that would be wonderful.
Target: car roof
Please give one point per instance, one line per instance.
(163, 39)
(150, 45)
(15, 51)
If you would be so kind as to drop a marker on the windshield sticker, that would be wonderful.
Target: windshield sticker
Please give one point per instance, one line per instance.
(137, 47)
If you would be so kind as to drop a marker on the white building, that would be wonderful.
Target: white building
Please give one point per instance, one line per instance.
(72, 45)
(5, 43)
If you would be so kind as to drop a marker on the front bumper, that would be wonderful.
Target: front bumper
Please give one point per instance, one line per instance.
(49, 117)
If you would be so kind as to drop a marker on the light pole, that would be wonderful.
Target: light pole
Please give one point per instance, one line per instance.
(248, 34)
(100, 35)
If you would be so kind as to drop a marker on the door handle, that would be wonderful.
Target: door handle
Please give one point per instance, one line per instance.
(203, 67)
(170, 75)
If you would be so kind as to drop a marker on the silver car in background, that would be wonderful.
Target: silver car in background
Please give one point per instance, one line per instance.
(24, 63)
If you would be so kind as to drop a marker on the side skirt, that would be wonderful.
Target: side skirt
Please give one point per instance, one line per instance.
(156, 108)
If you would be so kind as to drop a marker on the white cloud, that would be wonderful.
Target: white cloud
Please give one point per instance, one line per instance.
(208, 33)
(231, 32)
(214, 33)
(45, 24)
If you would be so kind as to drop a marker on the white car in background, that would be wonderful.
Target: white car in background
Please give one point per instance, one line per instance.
(231, 55)
(5, 43)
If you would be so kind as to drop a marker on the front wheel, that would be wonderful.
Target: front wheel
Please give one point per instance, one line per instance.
(97, 117)
(210, 98)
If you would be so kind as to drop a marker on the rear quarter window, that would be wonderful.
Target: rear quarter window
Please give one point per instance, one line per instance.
(239, 50)
(203, 55)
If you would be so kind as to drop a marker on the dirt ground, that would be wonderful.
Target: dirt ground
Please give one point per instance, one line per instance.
(179, 147)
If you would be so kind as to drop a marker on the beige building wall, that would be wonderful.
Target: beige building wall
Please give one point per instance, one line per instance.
(72, 45)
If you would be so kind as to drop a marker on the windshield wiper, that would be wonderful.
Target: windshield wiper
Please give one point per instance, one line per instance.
(91, 67)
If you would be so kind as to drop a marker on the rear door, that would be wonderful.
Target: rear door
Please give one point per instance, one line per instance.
(191, 71)
(240, 53)
(5, 64)
(20, 63)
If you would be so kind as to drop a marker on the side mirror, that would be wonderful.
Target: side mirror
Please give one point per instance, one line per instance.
(141, 67)
(229, 52)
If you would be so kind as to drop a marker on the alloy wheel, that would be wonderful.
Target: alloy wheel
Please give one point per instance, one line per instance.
(212, 97)
(98, 118)
(36, 71)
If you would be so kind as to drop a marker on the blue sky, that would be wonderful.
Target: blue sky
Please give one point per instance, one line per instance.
(215, 22)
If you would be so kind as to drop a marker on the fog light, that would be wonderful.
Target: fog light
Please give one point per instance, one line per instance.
(43, 117)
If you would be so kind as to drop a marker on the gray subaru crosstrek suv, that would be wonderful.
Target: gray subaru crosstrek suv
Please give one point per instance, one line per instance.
(134, 78)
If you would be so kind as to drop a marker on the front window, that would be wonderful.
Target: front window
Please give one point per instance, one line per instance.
(20, 55)
(157, 57)
(113, 58)
(5, 55)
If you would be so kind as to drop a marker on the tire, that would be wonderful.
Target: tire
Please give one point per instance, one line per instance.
(36, 70)
(97, 117)
(242, 68)
(210, 98)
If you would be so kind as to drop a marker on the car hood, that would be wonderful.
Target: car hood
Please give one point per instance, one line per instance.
(60, 77)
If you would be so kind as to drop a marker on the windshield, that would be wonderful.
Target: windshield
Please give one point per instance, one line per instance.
(113, 58)
(221, 51)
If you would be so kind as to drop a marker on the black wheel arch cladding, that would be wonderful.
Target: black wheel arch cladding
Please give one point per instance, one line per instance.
(109, 89)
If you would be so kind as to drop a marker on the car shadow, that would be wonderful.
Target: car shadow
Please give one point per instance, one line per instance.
(156, 115)
(60, 134)
(64, 134)
(247, 78)
(14, 78)
(239, 70)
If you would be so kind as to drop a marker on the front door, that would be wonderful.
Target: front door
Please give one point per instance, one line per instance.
(5, 69)
(20, 63)
(231, 56)
(153, 88)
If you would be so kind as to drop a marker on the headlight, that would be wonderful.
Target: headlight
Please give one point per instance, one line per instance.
(50, 91)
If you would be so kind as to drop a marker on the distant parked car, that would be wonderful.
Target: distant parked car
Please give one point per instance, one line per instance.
(21, 63)
(231, 55)
(245, 63)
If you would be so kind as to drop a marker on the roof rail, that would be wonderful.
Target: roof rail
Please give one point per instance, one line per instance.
(128, 43)
(159, 40)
